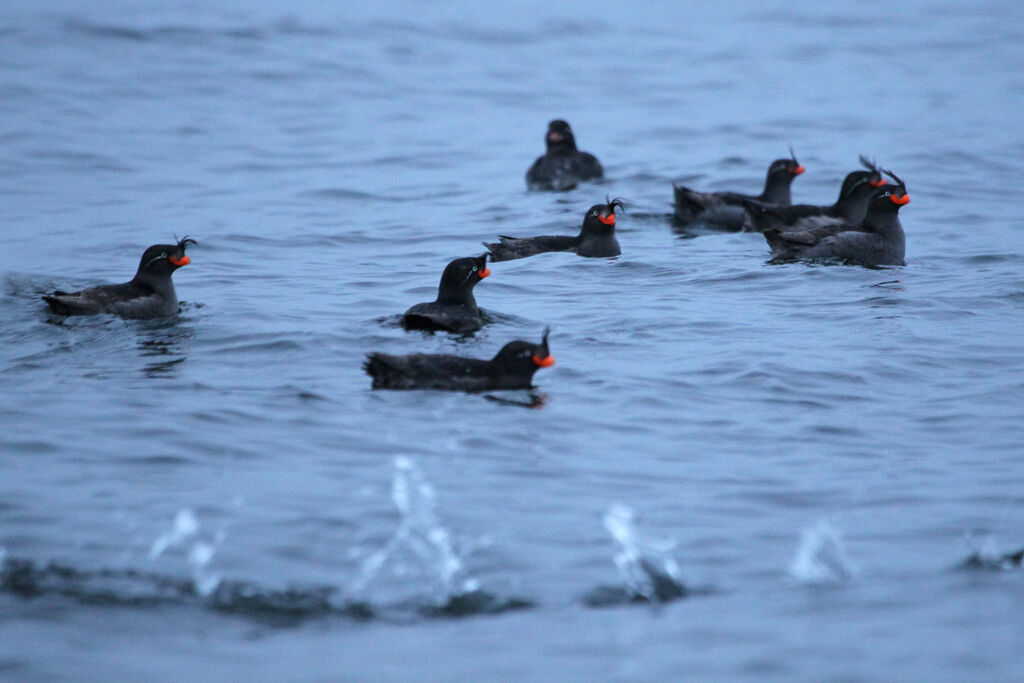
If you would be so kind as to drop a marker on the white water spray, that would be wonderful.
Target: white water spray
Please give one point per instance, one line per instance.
(646, 565)
(820, 557)
(420, 537)
(198, 551)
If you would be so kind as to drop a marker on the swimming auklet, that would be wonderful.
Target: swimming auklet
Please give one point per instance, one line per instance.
(856, 191)
(725, 209)
(596, 238)
(878, 240)
(511, 368)
(562, 166)
(150, 294)
(455, 309)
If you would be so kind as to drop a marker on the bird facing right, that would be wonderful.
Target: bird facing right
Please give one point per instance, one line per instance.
(878, 240)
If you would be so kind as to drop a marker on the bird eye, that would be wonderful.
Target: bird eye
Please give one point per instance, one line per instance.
(888, 194)
(162, 255)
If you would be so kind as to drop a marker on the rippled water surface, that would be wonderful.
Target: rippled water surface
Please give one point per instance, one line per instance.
(798, 461)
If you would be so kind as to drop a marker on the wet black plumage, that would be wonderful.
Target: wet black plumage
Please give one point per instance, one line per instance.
(854, 194)
(596, 238)
(150, 294)
(511, 368)
(726, 210)
(455, 308)
(563, 166)
(877, 240)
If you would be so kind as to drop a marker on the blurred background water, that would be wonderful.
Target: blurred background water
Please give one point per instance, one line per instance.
(809, 453)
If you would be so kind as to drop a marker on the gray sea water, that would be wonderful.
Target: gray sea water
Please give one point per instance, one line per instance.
(811, 452)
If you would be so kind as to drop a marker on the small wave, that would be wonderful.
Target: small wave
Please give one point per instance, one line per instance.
(986, 259)
(289, 606)
(246, 348)
(651, 216)
(112, 587)
(106, 30)
(343, 194)
(79, 159)
(175, 32)
(475, 602)
(392, 321)
(156, 460)
(533, 399)
(134, 588)
(295, 27)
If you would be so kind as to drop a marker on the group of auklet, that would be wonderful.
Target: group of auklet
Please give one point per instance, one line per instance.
(862, 227)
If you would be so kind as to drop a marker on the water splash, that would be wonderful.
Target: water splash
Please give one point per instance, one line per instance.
(198, 551)
(421, 546)
(647, 567)
(820, 557)
(185, 525)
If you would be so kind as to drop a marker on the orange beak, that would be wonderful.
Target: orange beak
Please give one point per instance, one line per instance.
(183, 261)
(483, 273)
(797, 171)
(544, 362)
(905, 199)
(877, 183)
(607, 220)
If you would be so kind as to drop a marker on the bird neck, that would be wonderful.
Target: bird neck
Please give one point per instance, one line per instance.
(595, 228)
(776, 189)
(851, 204)
(161, 282)
(883, 220)
(562, 148)
(456, 295)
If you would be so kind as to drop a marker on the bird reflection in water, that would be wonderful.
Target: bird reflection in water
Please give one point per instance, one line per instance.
(535, 400)
(163, 343)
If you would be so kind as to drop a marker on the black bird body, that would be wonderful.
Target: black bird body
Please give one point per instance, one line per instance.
(563, 166)
(455, 308)
(854, 194)
(596, 238)
(150, 294)
(727, 210)
(877, 240)
(511, 368)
